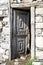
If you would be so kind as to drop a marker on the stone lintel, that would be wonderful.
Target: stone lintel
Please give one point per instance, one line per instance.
(24, 5)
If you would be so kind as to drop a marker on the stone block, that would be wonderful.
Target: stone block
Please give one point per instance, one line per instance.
(39, 47)
(38, 32)
(39, 11)
(39, 19)
(36, 63)
(5, 46)
(39, 54)
(6, 18)
(6, 30)
(39, 25)
(5, 57)
(39, 41)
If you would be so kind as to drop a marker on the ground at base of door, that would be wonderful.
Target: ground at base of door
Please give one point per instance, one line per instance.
(19, 61)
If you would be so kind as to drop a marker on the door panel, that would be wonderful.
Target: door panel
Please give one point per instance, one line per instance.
(20, 27)
(20, 44)
(22, 24)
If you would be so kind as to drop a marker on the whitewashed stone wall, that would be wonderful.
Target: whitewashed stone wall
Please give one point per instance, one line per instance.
(39, 33)
(5, 34)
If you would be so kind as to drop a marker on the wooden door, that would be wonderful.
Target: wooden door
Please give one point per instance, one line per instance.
(20, 37)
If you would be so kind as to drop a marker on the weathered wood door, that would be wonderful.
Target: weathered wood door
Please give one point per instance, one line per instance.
(20, 35)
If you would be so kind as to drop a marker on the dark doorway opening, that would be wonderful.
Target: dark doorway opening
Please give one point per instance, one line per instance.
(21, 33)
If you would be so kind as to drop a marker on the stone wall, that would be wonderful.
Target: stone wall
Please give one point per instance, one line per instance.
(5, 34)
(39, 33)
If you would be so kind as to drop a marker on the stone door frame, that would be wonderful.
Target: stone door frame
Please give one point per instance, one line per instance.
(32, 17)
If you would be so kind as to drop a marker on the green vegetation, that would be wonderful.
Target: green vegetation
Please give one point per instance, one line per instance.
(30, 62)
(42, 64)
